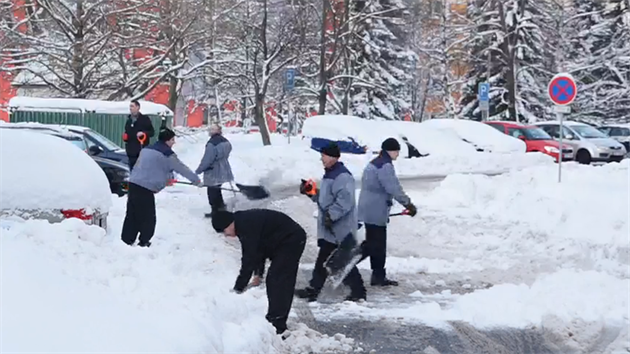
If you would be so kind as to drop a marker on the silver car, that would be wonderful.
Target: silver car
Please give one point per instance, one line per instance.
(589, 144)
(619, 132)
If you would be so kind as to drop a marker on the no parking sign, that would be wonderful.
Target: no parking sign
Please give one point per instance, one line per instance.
(562, 91)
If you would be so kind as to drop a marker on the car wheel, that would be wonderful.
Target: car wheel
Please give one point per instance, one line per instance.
(583, 157)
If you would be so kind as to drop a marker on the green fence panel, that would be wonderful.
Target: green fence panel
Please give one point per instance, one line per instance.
(111, 126)
(64, 118)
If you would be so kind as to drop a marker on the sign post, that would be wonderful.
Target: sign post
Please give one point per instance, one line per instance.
(483, 95)
(562, 91)
(289, 85)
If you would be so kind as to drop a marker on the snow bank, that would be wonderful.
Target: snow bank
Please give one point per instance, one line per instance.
(80, 105)
(479, 134)
(566, 295)
(590, 204)
(42, 172)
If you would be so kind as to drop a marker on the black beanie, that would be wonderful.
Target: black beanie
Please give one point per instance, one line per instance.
(332, 150)
(166, 135)
(390, 144)
(221, 220)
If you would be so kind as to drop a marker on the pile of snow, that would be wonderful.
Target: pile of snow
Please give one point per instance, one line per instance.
(75, 105)
(479, 134)
(43, 172)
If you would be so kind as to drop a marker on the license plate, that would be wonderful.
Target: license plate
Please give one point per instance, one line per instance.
(567, 156)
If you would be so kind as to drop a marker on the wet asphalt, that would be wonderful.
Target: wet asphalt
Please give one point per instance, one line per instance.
(390, 336)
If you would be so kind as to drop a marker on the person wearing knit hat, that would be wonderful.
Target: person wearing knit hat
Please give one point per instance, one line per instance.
(336, 226)
(379, 185)
(151, 174)
(266, 234)
(215, 167)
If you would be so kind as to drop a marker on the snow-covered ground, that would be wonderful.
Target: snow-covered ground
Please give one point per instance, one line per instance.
(557, 255)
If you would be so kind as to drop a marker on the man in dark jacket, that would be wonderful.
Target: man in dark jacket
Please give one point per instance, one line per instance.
(138, 131)
(336, 224)
(215, 167)
(266, 234)
(379, 185)
(152, 173)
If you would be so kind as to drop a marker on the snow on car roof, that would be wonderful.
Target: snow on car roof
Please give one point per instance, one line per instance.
(43, 128)
(80, 105)
(564, 122)
(44, 172)
(616, 125)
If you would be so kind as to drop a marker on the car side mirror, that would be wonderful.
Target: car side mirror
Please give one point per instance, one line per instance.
(522, 137)
(95, 150)
(569, 137)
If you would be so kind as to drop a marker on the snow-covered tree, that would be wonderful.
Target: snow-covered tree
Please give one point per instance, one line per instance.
(383, 63)
(509, 41)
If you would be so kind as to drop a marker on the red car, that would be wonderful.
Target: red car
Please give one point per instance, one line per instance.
(536, 139)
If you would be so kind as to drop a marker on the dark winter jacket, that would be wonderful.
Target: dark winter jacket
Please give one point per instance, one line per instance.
(155, 166)
(214, 164)
(262, 233)
(141, 124)
(379, 185)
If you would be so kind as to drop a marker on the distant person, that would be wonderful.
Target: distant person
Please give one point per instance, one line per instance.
(266, 234)
(138, 133)
(215, 167)
(155, 166)
(379, 185)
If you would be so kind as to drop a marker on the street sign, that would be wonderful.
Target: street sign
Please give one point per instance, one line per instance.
(562, 109)
(289, 79)
(484, 105)
(484, 92)
(562, 89)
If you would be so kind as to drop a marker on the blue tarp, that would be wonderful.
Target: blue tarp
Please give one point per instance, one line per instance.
(346, 146)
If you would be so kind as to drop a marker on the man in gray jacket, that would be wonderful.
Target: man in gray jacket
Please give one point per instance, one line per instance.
(336, 223)
(379, 185)
(216, 167)
(150, 175)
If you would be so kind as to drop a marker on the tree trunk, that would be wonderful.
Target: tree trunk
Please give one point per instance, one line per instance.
(259, 116)
(172, 93)
(509, 53)
(323, 73)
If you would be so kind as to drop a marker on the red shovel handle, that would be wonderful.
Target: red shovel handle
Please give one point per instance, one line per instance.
(142, 137)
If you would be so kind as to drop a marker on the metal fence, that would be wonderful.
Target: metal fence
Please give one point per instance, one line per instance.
(111, 126)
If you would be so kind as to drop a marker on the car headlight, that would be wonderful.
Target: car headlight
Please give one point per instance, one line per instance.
(552, 149)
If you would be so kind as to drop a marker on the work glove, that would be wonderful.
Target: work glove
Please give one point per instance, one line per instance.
(308, 188)
(125, 137)
(328, 221)
(411, 209)
(256, 281)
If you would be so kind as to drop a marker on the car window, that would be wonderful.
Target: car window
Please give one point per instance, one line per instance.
(102, 141)
(619, 132)
(588, 132)
(535, 133)
(78, 143)
(515, 132)
(605, 130)
(498, 127)
(552, 130)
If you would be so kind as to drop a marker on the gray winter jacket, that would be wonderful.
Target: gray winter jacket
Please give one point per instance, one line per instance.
(336, 195)
(214, 163)
(155, 167)
(379, 185)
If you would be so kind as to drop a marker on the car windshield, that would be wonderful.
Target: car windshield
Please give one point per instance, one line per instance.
(103, 141)
(78, 143)
(536, 134)
(588, 132)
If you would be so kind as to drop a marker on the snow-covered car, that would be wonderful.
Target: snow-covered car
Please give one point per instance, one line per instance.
(589, 144)
(481, 136)
(45, 177)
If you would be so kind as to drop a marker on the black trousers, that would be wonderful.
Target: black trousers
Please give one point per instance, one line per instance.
(132, 162)
(140, 217)
(215, 197)
(352, 280)
(375, 247)
(281, 279)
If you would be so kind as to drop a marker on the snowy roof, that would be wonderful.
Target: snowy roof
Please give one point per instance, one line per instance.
(74, 105)
(73, 180)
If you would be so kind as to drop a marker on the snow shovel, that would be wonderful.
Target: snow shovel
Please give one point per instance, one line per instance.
(250, 192)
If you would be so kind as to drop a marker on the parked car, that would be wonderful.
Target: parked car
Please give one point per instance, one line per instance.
(44, 177)
(93, 142)
(536, 139)
(589, 144)
(117, 173)
(619, 132)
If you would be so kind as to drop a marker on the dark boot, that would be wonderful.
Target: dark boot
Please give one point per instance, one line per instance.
(356, 298)
(308, 293)
(379, 278)
(144, 244)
